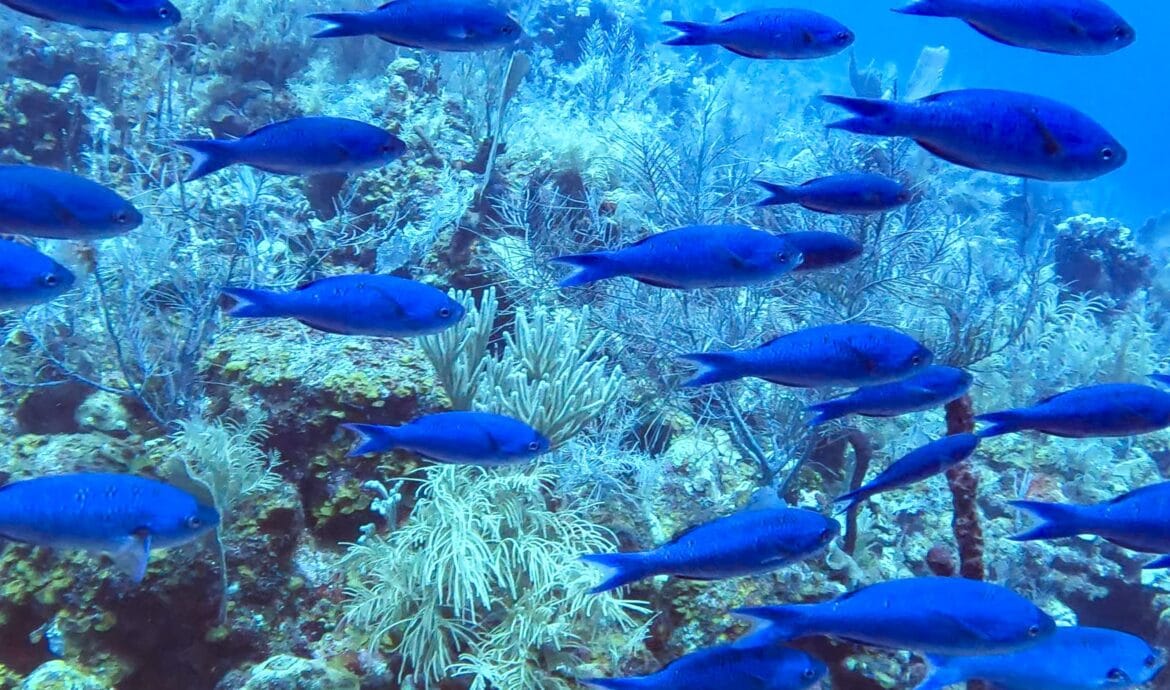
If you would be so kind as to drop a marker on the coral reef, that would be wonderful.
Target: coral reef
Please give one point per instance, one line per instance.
(401, 574)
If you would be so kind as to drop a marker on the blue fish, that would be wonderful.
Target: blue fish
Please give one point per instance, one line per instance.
(301, 146)
(29, 277)
(727, 668)
(1138, 520)
(929, 615)
(1071, 658)
(933, 458)
(771, 34)
(932, 387)
(857, 193)
(997, 131)
(122, 516)
(467, 438)
(130, 16)
(1067, 27)
(375, 305)
(837, 355)
(692, 257)
(1106, 410)
(442, 25)
(41, 202)
(822, 250)
(748, 542)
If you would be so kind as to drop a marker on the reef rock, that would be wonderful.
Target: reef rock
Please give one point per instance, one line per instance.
(285, 672)
(59, 675)
(1099, 256)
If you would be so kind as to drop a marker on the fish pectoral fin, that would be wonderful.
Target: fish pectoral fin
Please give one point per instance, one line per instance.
(1052, 145)
(132, 556)
(866, 361)
(65, 215)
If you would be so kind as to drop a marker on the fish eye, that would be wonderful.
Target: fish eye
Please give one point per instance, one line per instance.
(827, 535)
(1116, 674)
(1107, 153)
(193, 522)
(50, 280)
(844, 36)
(1151, 661)
(121, 217)
(782, 257)
(1122, 32)
(534, 446)
(916, 359)
(809, 673)
(1034, 631)
(444, 312)
(164, 12)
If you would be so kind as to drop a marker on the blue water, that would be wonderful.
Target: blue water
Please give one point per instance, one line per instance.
(1126, 91)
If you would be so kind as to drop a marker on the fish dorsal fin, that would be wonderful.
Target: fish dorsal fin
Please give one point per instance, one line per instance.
(1160, 487)
(305, 285)
(684, 533)
(133, 554)
(988, 33)
(765, 499)
(264, 129)
(1047, 399)
(773, 341)
(642, 241)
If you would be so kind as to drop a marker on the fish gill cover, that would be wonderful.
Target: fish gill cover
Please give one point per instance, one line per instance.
(538, 345)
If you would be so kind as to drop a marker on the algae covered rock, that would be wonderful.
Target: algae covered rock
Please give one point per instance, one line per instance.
(284, 672)
(60, 675)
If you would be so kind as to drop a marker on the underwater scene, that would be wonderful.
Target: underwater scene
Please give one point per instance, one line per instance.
(569, 344)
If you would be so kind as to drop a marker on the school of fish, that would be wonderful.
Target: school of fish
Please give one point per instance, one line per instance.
(965, 630)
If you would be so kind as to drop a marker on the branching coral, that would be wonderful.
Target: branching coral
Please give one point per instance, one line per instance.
(483, 581)
(550, 372)
(225, 458)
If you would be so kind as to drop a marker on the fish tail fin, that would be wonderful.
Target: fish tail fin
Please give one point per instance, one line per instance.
(254, 304)
(923, 8)
(372, 438)
(589, 268)
(828, 411)
(1158, 563)
(942, 674)
(778, 194)
(618, 569)
(208, 156)
(341, 24)
(713, 367)
(1057, 520)
(616, 683)
(771, 624)
(846, 502)
(1006, 422)
(873, 115)
(692, 34)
